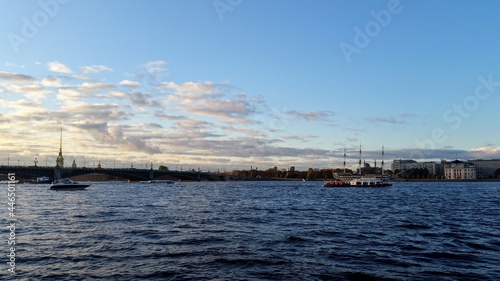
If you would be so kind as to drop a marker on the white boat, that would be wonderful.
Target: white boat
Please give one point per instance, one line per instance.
(41, 180)
(158, 181)
(368, 182)
(67, 184)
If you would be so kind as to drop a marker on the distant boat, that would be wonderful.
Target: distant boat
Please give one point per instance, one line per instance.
(67, 184)
(158, 181)
(41, 180)
(362, 182)
(369, 182)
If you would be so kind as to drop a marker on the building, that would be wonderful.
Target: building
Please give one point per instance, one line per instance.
(486, 168)
(403, 165)
(458, 170)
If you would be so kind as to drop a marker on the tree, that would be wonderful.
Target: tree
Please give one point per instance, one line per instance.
(162, 168)
(311, 174)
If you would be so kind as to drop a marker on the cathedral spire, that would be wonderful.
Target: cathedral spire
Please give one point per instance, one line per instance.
(60, 144)
(60, 158)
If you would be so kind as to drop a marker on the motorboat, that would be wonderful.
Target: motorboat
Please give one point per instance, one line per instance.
(67, 184)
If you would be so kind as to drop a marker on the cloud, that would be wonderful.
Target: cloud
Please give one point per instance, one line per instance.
(128, 83)
(210, 100)
(140, 99)
(81, 77)
(94, 69)
(225, 110)
(59, 67)
(51, 82)
(15, 77)
(486, 152)
(98, 112)
(69, 94)
(169, 116)
(193, 90)
(22, 110)
(398, 120)
(310, 116)
(155, 66)
(95, 87)
(33, 92)
(114, 135)
(389, 120)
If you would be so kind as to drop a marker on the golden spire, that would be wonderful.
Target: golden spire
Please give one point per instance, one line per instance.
(60, 158)
(60, 143)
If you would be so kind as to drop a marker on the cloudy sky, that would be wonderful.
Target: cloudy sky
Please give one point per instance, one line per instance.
(229, 84)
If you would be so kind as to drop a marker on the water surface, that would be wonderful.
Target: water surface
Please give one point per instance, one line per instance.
(258, 231)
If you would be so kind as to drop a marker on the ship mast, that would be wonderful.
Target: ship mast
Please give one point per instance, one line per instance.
(359, 159)
(382, 160)
(344, 159)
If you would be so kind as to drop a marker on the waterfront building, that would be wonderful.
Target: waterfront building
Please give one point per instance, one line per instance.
(403, 165)
(458, 170)
(486, 168)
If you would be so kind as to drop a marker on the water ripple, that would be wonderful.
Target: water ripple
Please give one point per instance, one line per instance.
(260, 231)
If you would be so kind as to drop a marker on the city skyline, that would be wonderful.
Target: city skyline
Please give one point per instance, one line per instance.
(232, 84)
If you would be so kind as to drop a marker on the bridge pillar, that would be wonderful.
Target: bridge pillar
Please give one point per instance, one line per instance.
(151, 174)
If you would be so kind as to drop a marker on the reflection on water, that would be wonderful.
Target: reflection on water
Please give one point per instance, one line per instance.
(259, 230)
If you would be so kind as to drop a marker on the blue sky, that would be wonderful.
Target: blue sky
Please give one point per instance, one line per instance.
(232, 84)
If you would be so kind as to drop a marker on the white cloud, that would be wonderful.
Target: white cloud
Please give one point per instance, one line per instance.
(155, 66)
(69, 94)
(94, 69)
(59, 67)
(81, 77)
(33, 92)
(210, 100)
(51, 82)
(129, 83)
(488, 152)
(95, 87)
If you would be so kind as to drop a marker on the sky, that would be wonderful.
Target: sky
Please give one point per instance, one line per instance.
(235, 84)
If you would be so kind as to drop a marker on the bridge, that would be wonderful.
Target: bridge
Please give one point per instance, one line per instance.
(125, 173)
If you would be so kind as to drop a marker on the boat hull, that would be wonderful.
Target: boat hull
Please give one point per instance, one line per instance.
(336, 184)
(357, 183)
(69, 187)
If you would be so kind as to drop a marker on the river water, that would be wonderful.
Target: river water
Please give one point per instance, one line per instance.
(256, 231)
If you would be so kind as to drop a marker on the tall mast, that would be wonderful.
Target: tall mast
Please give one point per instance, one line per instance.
(359, 159)
(382, 160)
(344, 159)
